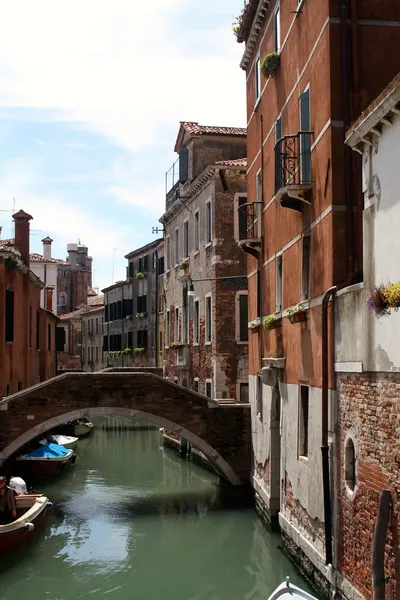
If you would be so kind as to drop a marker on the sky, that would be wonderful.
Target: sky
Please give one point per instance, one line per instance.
(91, 95)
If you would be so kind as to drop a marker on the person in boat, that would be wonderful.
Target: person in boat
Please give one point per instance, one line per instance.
(8, 509)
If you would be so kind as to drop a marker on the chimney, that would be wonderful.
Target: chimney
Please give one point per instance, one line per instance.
(72, 250)
(49, 297)
(21, 221)
(47, 247)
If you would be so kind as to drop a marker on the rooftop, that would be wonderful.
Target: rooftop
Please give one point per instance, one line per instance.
(194, 129)
(144, 249)
(238, 162)
(94, 303)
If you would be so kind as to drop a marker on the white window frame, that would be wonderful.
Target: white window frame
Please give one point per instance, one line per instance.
(168, 253)
(177, 314)
(186, 228)
(277, 29)
(257, 78)
(168, 329)
(239, 383)
(196, 231)
(278, 305)
(208, 226)
(177, 249)
(236, 214)
(237, 315)
(208, 381)
(208, 334)
(196, 342)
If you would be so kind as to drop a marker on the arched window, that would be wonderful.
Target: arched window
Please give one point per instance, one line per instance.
(350, 464)
(62, 299)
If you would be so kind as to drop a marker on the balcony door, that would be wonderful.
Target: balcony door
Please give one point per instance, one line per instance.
(305, 140)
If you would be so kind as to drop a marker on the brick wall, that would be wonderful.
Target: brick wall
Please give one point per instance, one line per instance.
(370, 415)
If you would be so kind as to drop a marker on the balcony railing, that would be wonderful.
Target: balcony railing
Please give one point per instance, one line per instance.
(249, 220)
(293, 168)
(172, 184)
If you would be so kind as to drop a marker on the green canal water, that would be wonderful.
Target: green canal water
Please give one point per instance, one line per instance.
(131, 520)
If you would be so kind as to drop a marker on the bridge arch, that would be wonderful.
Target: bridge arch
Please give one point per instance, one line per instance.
(220, 465)
(221, 430)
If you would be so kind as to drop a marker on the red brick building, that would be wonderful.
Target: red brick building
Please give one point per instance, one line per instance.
(311, 67)
(205, 283)
(27, 331)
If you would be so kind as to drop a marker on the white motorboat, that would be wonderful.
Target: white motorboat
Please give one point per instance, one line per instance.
(288, 591)
(68, 441)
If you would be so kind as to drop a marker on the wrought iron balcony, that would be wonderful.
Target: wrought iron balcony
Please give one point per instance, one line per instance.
(249, 220)
(293, 182)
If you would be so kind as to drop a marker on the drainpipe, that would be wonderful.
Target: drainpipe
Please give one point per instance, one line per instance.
(156, 318)
(260, 257)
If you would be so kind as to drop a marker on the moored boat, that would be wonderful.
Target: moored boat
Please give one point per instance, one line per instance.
(67, 441)
(288, 591)
(31, 510)
(82, 427)
(46, 461)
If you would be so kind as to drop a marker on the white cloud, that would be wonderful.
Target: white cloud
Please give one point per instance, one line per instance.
(121, 68)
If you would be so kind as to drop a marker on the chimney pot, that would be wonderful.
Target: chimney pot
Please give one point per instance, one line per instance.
(47, 241)
(22, 227)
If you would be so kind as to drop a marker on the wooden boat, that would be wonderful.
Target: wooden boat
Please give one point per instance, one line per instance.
(82, 427)
(288, 591)
(67, 441)
(31, 510)
(46, 461)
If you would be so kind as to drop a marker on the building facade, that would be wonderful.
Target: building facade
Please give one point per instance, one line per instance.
(93, 356)
(367, 355)
(205, 282)
(303, 236)
(27, 331)
(130, 310)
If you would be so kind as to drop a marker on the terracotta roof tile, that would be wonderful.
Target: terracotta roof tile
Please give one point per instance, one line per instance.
(238, 162)
(38, 258)
(196, 129)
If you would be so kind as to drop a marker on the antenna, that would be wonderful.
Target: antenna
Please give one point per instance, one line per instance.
(157, 230)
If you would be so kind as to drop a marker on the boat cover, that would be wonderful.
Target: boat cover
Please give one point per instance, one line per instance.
(49, 450)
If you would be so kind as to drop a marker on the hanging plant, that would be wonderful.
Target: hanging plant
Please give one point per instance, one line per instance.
(270, 64)
(13, 262)
(298, 314)
(384, 298)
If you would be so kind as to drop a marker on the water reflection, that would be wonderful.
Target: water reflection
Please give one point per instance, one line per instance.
(134, 520)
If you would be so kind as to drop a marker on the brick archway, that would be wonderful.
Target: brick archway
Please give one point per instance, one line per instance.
(220, 431)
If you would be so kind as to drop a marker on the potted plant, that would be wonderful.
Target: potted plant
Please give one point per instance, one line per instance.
(127, 351)
(175, 344)
(270, 64)
(271, 322)
(139, 351)
(298, 314)
(254, 327)
(140, 275)
(140, 315)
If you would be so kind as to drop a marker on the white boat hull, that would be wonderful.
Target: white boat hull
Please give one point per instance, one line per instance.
(288, 591)
(82, 429)
(67, 441)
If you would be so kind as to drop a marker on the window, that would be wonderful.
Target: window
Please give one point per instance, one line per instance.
(183, 165)
(350, 465)
(160, 346)
(83, 354)
(19, 386)
(196, 325)
(186, 239)
(277, 30)
(305, 138)
(37, 329)
(105, 343)
(48, 336)
(242, 317)
(244, 393)
(168, 250)
(209, 388)
(143, 265)
(142, 338)
(279, 282)
(161, 265)
(62, 299)
(168, 330)
(142, 304)
(196, 385)
(241, 218)
(8, 389)
(154, 261)
(257, 77)
(161, 303)
(196, 231)
(176, 325)
(306, 270)
(258, 187)
(177, 252)
(30, 326)
(9, 316)
(185, 324)
(278, 129)
(97, 325)
(208, 319)
(303, 421)
(97, 354)
(208, 223)
(130, 269)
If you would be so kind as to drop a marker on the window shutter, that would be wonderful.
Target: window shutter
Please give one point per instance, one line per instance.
(183, 165)
(131, 269)
(9, 316)
(146, 263)
(278, 129)
(37, 329)
(145, 338)
(106, 313)
(243, 318)
(144, 304)
(105, 343)
(305, 141)
(60, 339)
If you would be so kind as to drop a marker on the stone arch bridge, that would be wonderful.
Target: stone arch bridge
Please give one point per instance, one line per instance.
(221, 430)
